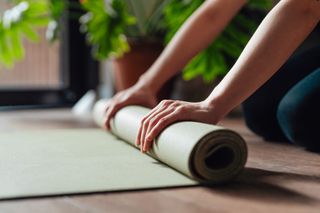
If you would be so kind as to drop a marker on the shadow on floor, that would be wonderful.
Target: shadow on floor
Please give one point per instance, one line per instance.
(265, 186)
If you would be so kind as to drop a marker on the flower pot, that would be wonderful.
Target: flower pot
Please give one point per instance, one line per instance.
(128, 68)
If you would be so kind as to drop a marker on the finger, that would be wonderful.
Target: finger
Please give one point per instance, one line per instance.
(160, 126)
(162, 104)
(140, 131)
(105, 115)
(139, 135)
(138, 138)
(153, 121)
(147, 119)
(143, 132)
(112, 110)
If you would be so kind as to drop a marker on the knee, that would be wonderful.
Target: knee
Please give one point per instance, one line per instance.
(288, 119)
(296, 122)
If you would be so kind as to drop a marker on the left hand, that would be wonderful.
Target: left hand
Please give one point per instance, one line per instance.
(168, 112)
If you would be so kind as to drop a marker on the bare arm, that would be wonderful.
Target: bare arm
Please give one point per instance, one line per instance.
(284, 28)
(195, 35)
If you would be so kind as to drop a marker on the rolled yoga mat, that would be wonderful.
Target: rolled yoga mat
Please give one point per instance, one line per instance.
(203, 152)
(75, 161)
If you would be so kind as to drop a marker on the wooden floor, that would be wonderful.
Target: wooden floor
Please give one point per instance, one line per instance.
(277, 178)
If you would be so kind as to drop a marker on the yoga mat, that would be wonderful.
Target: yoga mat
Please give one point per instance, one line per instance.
(57, 162)
(203, 152)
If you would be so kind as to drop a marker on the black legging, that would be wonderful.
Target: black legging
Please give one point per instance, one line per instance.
(287, 107)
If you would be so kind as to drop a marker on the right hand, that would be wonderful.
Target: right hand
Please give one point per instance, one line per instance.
(136, 94)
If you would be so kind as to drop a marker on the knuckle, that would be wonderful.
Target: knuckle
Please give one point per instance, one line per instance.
(166, 102)
(143, 120)
(162, 121)
(153, 121)
(145, 124)
(163, 103)
(151, 135)
(180, 109)
(175, 104)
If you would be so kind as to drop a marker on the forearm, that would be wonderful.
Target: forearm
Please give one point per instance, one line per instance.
(284, 28)
(195, 35)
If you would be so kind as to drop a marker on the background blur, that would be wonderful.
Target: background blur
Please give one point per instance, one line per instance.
(40, 67)
(53, 51)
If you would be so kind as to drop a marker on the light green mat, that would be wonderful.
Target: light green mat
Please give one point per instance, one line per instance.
(91, 160)
(76, 161)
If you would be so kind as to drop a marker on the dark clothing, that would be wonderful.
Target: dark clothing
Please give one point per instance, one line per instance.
(287, 107)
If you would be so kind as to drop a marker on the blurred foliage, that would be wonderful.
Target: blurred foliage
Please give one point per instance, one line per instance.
(213, 61)
(108, 24)
(20, 21)
(56, 10)
(149, 18)
(105, 25)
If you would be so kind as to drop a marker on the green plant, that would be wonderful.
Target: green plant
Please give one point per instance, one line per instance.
(105, 25)
(213, 61)
(23, 20)
(146, 19)
(108, 24)
(19, 22)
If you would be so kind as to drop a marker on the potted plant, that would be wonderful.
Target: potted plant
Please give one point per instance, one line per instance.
(128, 31)
(131, 32)
(136, 30)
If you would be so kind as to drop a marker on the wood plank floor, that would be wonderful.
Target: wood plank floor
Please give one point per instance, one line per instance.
(277, 178)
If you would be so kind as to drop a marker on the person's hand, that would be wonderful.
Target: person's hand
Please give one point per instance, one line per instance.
(168, 112)
(136, 94)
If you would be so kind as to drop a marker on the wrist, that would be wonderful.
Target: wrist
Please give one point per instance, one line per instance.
(216, 106)
(146, 84)
(150, 83)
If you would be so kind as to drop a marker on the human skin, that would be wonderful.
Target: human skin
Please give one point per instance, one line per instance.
(213, 16)
(266, 52)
